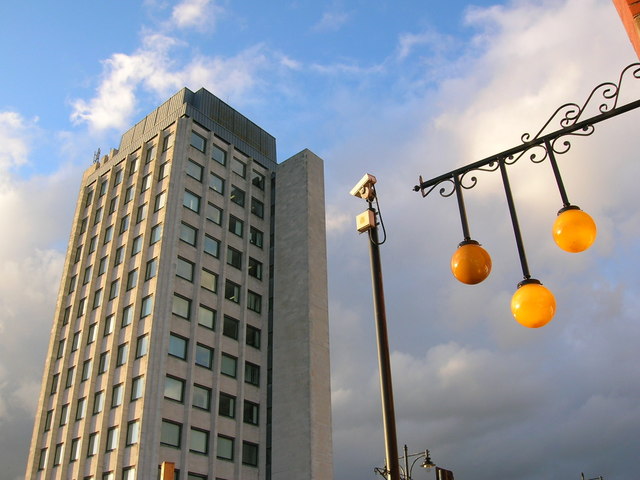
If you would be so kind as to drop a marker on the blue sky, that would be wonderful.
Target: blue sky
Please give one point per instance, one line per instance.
(398, 89)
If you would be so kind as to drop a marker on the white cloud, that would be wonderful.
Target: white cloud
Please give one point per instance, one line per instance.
(15, 134)
(199, 14)
(331, 21)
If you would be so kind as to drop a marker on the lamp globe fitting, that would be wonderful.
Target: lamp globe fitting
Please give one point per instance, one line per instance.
(533, 305)
(470, 263)
(574, 230)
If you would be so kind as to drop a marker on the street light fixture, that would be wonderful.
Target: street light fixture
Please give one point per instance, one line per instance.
(407, 470)
(532, 305)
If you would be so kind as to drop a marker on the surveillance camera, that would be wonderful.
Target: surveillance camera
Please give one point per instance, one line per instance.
(363, 187)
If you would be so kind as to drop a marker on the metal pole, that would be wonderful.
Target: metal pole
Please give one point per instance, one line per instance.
(384, 363)
(407, 476)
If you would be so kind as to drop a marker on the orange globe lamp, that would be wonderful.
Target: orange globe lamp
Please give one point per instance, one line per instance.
(533, 305)
(574, 230)
(470, 263)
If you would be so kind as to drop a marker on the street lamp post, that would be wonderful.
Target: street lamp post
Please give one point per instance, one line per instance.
(407, 469)
(532, 305)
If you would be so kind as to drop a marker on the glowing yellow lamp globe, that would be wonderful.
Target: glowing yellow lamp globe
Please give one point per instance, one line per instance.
(533, 305)
(470, 263)
(574, 230)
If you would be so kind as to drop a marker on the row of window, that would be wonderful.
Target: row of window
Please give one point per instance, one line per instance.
(199, 440)
(174, 389)
(178, 348)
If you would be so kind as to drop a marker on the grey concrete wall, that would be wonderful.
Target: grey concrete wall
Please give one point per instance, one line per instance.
(301, 415)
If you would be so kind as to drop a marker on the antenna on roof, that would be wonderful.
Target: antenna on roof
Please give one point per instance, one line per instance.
(96, 156)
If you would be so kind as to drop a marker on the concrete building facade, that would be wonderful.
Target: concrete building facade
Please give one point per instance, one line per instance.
(191, 326)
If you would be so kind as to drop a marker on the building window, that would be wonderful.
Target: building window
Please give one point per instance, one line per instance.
(122, 354)
(255, 237)
(207, 317)
(60, 348)
(103, 363)
(108, 324)
(114, 289)
(98, 402)
(228, 365)
(113, 204)
(108, 476)
(66, 315)
(191, 201)
(230, 327)
(167, 141)
(257, 207)
(251, 373)
(86, 370)
(64, 414)
(82, 306)
(234, 257)
(254, 301)
(83, 225)
(129, 473)
(48, 420)
(98, 216)
(257, 180)
(237, 195)
(124, 224)
(181, 306)
(150, 153)
(87, 275)
(238, 167)
(196, 476)
(116, 395)
(57, 456)
(92, 244)
(155, 234)
(142, 345)
(74, 454)
(78, 254)
(225, 448)
(194, 170)
(219, 155)
(92, 333)
(128, 194)
(251, 413)
(198, 141)
(133, 166)
(119, 256)
(199, 441)
(102, 265)
(216, 183)
(250, 454)
(209, 280)
(227, 405)
(75, 341)
(201, 397)
(132, 279)
(127, 316)
(253, 336)
(97, 299)
(160, 201)
(232, 291)
(92, 444)
(42, 461)
(151, 269)
(137, 387)
(188, 234)
(88, 198)
(236, 226)
(141, 213)
(108, 235)
(163, 171)
(70, 375)
(118, 177)
(214, 214)
(147, 306)
(211, 246)
(174, 388)
(204, 356)
(178, 346)
(133, 432)
(81, 408)
(170, 433)
(72, 284)
(146, 183)
(184, 269)
(112, 439)
(255, 268)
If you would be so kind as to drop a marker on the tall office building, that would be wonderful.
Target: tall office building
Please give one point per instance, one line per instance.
(191, 323)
